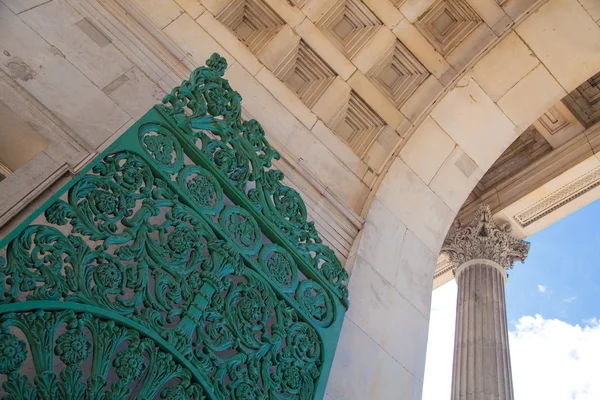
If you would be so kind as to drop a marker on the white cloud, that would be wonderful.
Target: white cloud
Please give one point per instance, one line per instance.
(554, 360)
(542, 288)
(569, 299)
(551, 359)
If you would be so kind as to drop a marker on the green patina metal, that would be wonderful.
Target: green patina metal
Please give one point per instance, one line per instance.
(176, 266)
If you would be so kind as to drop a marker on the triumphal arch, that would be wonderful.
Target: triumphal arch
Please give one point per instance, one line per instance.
(253, 199)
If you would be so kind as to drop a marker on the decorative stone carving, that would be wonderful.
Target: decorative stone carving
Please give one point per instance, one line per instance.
(447, 23)
(585, 101)
(305, 73)
(524, 151)
(252, 21)
(482, 238)
(559, 198)
(357, 124)
(349, 24)
(553, 120)
(398, 74)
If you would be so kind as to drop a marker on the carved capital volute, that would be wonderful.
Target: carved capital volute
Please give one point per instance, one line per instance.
(482, 238)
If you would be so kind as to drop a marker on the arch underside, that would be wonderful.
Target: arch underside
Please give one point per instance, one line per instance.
(388, 136)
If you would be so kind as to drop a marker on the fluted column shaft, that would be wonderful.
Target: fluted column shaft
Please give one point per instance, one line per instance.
(481, 353)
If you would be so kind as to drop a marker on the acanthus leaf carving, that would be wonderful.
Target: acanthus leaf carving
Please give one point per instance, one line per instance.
(483, 238)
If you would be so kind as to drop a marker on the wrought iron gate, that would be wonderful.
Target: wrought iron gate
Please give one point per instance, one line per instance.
(176, 266)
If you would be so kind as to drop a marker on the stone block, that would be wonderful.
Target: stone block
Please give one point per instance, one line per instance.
(328, 170)
(475, 123)
(315, 9)
(32, 205)
(517, 9)
(372, 299)
(18, 6)
(413, 9)
(340, 149)
(286, 97)
(134, 92)
(193, 7)
(505, 65)
(115, 135)
(332, 100)
(391, 379)
(382, 239)
(325, 49)
(558, 125)
(455, 179)
(448, 77)
(531, 97)
(502, 25)
(405, 128)
(421, 48)
(163, 12)
(194, 40)
(592, 7)
(215, 6)
(396, 333)
(374, 49)
(475, 43)
(560, 32)
(415, 273)
(375, 99)
(230, 42)
(381, 312)
(382, 149)
(416, 205)
(17, 186)
(278, 48)
(427, 149)
(370, 179)
(56, 83)
(488, 10)
(425, 95)
(292, 15)
(78, 40)
(385, 11)
(353, 365)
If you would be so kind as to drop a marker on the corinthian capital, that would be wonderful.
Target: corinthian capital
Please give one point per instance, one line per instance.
(482, 238)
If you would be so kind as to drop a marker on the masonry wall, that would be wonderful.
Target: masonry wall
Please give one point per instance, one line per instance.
(427, 183)
(81, 71)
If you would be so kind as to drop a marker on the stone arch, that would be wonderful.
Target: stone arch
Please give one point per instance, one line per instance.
(547, 55)
(411, 184)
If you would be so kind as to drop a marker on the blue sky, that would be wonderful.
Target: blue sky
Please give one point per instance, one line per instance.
(561, 277)
(553, 311)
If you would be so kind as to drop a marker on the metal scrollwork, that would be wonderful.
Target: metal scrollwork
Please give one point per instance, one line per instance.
(208, 111)
(153, 276)
(123, 363)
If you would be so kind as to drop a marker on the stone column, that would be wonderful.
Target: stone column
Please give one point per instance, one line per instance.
(480, 252)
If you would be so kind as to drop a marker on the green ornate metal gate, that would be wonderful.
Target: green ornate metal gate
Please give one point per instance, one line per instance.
(176, 266)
